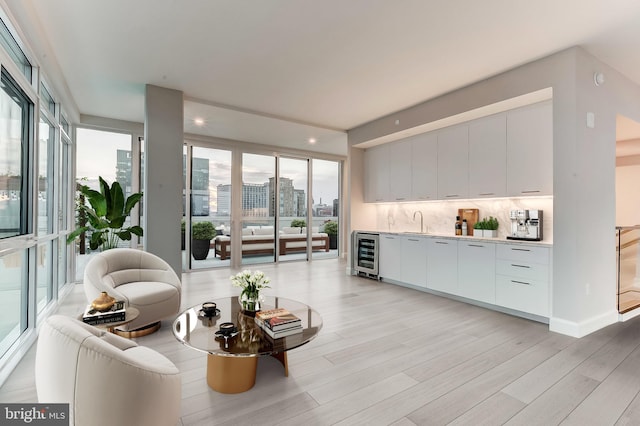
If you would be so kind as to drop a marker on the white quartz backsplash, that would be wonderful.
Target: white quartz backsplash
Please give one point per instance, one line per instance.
(440, 216)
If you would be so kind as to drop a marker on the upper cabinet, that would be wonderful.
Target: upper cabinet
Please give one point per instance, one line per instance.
(424, 167)
(508, 154)
(376, 174)
(530, 150)
(488, 157)
(400, 170)
(453, 162)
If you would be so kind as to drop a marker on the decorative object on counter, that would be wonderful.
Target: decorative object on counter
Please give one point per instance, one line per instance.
(458, 226)
(464, 227)
(487, 227)
(103, 303)
(251, 284)
(472, 216)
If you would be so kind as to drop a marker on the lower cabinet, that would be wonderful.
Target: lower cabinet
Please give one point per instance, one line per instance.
(414, 261)
(442, 270)
(404, 259)
(523, 278)
(390, 256)
(514, 276)
(477, 271)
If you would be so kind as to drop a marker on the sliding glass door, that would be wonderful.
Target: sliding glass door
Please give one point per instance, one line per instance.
(326, 206)
(210, 208)
(258, 208)
(292, 208)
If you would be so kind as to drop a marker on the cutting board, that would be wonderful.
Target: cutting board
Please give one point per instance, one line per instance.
(472, 216)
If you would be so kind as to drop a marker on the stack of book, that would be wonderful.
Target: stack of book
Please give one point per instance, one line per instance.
(115, 314)
(278, 322)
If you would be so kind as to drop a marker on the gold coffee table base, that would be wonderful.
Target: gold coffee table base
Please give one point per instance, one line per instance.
(235, 374)
(138, 332)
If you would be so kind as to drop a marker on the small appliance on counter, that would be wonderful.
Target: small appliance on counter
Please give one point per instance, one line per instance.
(525, 225)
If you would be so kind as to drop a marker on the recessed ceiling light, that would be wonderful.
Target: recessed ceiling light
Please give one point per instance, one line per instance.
(312, 140)
(198, 121)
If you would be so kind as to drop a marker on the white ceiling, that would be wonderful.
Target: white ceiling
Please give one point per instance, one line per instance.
(281, 71)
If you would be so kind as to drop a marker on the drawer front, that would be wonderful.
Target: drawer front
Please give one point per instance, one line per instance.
(523, 253)
(523, 295)
(513, 268)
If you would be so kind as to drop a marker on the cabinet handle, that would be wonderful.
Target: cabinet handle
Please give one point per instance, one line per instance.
(451, 196)
(399, 198)
(533, 191)
(520, 266)
(379, 199)
(441, 242)
(520, 282)
(520, 249)
(487, 193)
(390, 238)
(475, 245)
(413, 239)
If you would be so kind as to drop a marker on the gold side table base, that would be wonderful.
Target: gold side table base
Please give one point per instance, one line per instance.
(138, 332)
(230, 374)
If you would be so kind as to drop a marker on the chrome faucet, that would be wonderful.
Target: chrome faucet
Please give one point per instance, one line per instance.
(421, 220)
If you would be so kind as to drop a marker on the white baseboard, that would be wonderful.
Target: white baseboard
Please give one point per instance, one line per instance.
(628, 315)
(581, 329)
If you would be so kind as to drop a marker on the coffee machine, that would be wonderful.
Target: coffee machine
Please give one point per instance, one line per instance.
(525, 225)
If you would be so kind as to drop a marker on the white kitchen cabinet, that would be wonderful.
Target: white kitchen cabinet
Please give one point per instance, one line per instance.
(477, 270)
(424, 167)
(400, 177)
(376, 174)
(530, 150)
(389, 263)
(453, 162)
(523, 278)
(414, 260)
(488, 156)
(442, 260)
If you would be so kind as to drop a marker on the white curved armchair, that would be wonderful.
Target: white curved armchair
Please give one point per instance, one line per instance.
(141, 279)
(106, 379)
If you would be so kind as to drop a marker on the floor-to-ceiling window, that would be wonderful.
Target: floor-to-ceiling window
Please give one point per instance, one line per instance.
(114, 157)
(258, 208)
(210, 207)
(16, 221)
(280, 202)
(292, 201)
(325, 187)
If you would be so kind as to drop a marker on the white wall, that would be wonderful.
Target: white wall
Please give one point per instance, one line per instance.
(584, 266)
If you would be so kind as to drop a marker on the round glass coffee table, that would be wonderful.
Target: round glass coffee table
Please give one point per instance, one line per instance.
(232, 361)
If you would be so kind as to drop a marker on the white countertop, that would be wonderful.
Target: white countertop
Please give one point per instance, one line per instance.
(498, 240)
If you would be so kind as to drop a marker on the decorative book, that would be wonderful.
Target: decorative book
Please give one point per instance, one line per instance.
(277, 319)
(115, 314)
(282, 333)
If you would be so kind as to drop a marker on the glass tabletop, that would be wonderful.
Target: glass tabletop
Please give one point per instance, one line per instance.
(198, 331)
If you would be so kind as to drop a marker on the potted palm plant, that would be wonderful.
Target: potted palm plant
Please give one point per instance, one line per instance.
(104, 218)
(201, 235)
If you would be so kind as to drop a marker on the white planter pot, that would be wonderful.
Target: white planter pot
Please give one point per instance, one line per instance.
(489, 233)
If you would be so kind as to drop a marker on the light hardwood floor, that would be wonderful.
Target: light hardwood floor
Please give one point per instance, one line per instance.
(389, 355)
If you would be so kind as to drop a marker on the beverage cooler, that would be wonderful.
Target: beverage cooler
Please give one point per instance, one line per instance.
(365, 259)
